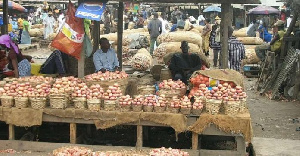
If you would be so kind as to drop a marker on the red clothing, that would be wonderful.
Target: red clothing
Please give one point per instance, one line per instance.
(282, 16)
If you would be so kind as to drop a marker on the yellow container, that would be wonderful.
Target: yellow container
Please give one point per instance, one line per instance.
(35, 69)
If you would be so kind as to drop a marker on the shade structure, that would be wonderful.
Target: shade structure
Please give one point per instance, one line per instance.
(15, 6)
(263, 10)
(212, 9)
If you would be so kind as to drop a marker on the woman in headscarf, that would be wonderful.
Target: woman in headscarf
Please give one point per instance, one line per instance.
(16, 61)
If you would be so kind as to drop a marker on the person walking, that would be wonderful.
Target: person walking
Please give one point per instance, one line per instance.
(20, 27)
(25, 37)
(236, 51)
(48, 22)
(155, 29)
(61, 20)
(205, 36)
(214, 41)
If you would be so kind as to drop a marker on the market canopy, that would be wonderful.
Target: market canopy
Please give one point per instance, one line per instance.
(15, 6)
(263, 10)
(212, 9)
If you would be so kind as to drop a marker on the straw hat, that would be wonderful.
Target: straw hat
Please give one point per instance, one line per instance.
(217, 18)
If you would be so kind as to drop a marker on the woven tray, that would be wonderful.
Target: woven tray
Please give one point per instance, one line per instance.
(172, 110)
(185, 111)
(59, 102)
(80, 103)
(232, 107)
(159, 109)
(125, 108)
(94, 105)
(110, 105)
(213, 106)
(196, 112)
(21, 102)
(38, 103)
(148, 108)
(7, 101)
(137, 108)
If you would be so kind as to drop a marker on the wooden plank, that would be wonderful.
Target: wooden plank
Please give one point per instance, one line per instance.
(11, 132)
(120, 33)
(195, 141)
(139, 136)
(73, 129)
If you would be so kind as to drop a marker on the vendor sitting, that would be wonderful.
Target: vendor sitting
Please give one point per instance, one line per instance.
(105, 59)
(183, 65)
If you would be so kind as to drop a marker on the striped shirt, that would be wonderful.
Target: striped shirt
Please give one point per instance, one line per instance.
(236, 52)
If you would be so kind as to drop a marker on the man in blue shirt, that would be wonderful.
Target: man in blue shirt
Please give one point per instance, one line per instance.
(105, 59)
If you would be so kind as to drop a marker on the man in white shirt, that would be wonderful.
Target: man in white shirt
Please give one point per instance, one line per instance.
(61, 20)
(201, 19)
(288, 21)
(164, 23)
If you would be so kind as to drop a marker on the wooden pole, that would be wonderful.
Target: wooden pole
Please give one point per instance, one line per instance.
(73, 129)
(81, 61)
(226, 13)
(195, 141)
(4, 28)
(11, 132)
(139, 136)
(120, 32)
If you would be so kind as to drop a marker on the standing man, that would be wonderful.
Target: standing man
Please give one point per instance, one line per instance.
(155, 29)
(205, 36)
(253, 29)
(236, 51)
(48, 23)
(214, 41)
(20, 27)
(105, 59)
(61, 20)
(106, 22)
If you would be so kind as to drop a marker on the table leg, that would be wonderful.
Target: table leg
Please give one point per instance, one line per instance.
(241, 147)
(73, 129)
(11, 132)
(139, 137)
(195, 141)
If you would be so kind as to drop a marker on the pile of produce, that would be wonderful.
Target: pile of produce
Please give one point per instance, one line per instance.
(16, 89)
(150, 100)
(113, 92)
(171, 47)
(138, 100)
(168, 152)
(64, 85)
(99, 76)
(175, 102)
(36, 79)
(114, 37)
(170, 84)
(251, 57)
(80, 90)
(72, 151)
(198, 104)
(179, 36)
(125, 100)
(40, 91)
(161, 101)
(95, 92)
(185, 102)
(142, 60)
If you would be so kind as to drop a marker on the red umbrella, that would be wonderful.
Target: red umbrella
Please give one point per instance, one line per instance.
(263, 10)
(15, 6)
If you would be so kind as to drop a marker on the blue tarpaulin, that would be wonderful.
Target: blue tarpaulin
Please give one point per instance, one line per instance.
(92, 11)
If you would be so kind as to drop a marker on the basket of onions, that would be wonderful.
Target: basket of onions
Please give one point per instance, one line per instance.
(198, 106)
(167, 152)
(94, 97)
(161, 104)
(8, 94)
(111, 97)
(125, 103)
(79, 96)
(137, 103)
(36, 80)
(186, 105)
(233, 102)
(146, 90)
(21, 99)
(174, 105)
(149, 102)
(38, 95)
(171, 88)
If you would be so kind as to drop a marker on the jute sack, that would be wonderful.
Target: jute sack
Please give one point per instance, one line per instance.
(171, 47)
(125, 49)
(36, 32)
(203, 58)
(179, 36)
(251, 57)
(199, 28)
(142, 60)
(222, 74)
(37, 26)
(240, 33)
(251, 40)
(52, 36)
(114, 37)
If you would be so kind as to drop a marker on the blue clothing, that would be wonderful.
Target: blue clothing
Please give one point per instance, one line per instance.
(108, 60)
(264, 34)
(145, 15)
(173, 28)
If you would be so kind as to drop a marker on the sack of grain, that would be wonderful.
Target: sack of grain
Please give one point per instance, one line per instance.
(251, 40)
(36, 32)
(199, 28)
(171, 47)
(131, 25)
(52, 36)
(251, 57)
(240, 33)
(142, 60)
(125, 49)
(114, 37)
(37, 26)
(178, 36)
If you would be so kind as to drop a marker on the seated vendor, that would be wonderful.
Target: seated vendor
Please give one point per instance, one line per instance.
(18, 64)
(105, 59)
(183, 65)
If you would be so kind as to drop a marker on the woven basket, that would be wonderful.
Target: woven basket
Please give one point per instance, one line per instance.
(125, 108)
(172, 110)
(196, 112)
(137, 108)
(185, 111)
(80, 103)
(94, 105)
(148, 108)
(106, 83)
(243, 106)
(159, 109)
(59, 102)
(232, 107)
(146, 90)
(7, 101)
(21, 102)
(110, 105)
(38, 103)
(213, 106)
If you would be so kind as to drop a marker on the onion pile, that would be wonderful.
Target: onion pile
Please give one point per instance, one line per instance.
(198, 104)
(2, 91)
(113, 92)
(150, 100)
(175, 103)
(161, 101)
(17, 89)
(138, 100)
(170, 84)
(200, 79)
(185, 102)
(81, 90)
(125, 100)
(72, 151)
(168, 152)
(64, 85)
(99, 76)
(40, 90)
(36, 79)
(95, 92)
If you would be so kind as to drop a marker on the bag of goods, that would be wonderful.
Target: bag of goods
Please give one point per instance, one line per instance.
(161, 104)
(37, 32)
(198, 106)
(114, 38)
(168, 152)
(185, 106)
(171, 88)
(149, 102)
(174, 105)
(37, 26)
(251, 57)
(251, 40)
(171, 47)
(72, 150)
(167, 58)
(179, 36)
(125, 103)
(79, 96)
(213, 106)
(240, 33)
(38, 95)
(137, 103)
(199, 28)
(94, 97)
(111, 97)
(35, 80)
(146, 90)
(52, 36)
(142, 60)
